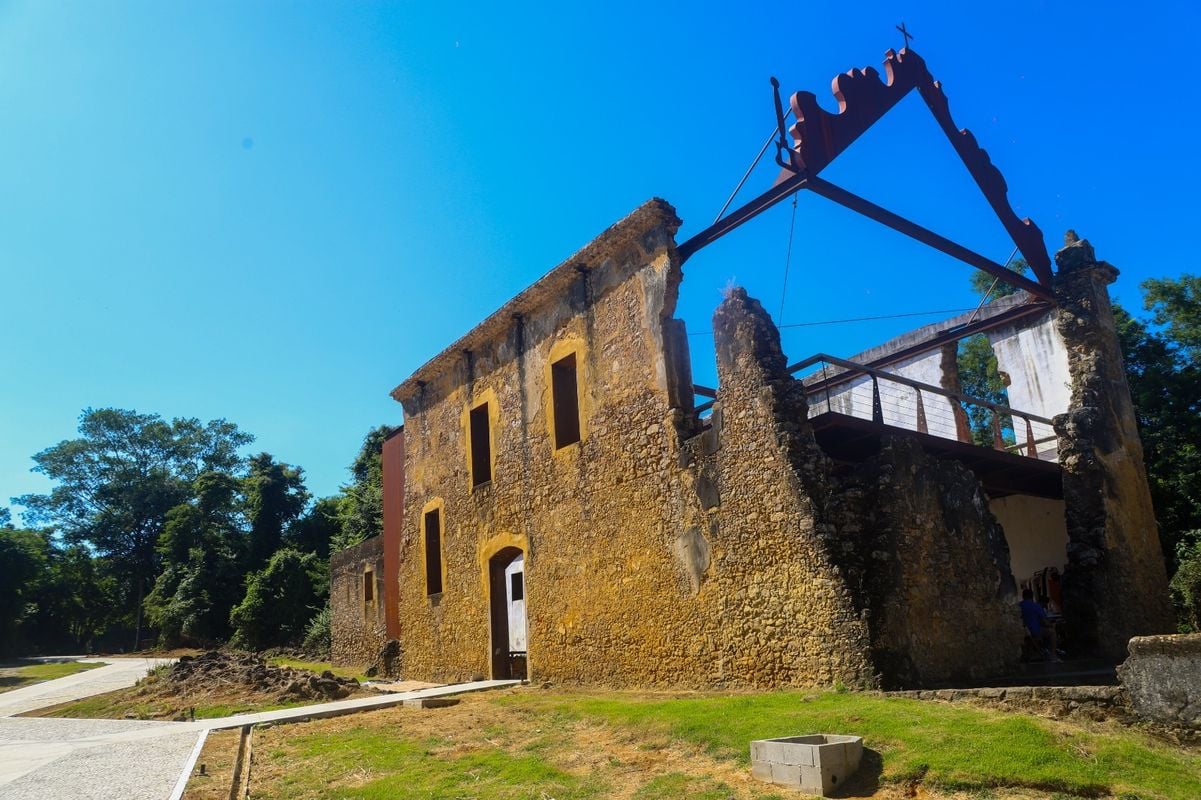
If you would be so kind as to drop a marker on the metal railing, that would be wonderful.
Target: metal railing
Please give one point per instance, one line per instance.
(835, 385)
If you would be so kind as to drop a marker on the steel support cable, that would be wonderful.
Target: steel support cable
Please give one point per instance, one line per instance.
(787, 260)
(771, 137)
(992, 288)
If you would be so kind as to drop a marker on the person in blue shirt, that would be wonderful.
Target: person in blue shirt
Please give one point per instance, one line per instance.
(1034, 617)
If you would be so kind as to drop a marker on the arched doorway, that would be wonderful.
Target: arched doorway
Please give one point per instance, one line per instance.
(506, 582)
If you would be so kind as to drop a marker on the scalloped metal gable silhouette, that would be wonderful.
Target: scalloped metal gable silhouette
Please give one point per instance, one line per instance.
(820, 136)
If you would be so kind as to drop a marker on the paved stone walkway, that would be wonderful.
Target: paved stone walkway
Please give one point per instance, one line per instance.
(118, 674)
(124, 759)
(91, 759)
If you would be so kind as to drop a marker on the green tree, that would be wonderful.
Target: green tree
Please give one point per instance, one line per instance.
(117, 481)
(1186, 583)
(275, 497)
(78, 602)
(1175, 303)
(1164, 374)
(313, 532)
(979, 377)
(280, 600)
(987, 285)
(200, 549)
(24, 563)
(198, 610)
(362, 503)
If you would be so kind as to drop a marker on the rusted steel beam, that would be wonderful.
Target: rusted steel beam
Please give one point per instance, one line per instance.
(911, 229)
(703, 391)
(863, 99)
(737, 217)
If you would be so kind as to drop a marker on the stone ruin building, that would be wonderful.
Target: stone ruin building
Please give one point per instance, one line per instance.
(564, 504)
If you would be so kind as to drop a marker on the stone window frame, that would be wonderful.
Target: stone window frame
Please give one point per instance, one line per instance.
(478, 399)
(566, 346)
(437, 504)
(368, 585)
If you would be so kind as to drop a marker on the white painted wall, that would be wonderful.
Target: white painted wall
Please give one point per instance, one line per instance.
(1035, 358)
(1035, 530)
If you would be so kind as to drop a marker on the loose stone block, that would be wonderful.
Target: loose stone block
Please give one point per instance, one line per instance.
(431, 702)
(1162, 678)
(817, 764)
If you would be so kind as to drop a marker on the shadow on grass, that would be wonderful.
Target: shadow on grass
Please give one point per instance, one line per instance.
(866, 780)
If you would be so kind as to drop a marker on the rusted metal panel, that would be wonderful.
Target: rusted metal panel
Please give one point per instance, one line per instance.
(393, 463)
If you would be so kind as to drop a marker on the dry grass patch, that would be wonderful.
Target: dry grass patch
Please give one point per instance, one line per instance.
(218, 756)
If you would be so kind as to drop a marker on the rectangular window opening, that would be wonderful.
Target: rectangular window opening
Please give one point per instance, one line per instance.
(566, 401)
(481, 446)
(518, 587)
(368, 586)
(433, 552)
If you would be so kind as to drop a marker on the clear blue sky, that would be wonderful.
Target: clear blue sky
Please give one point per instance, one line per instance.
(274, 212)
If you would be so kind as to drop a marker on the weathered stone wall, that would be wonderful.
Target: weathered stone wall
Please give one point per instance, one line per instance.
(1115, 585)
(1162, 678)
(641, 568)
(935, 570)
(660, 550)
(357, 624)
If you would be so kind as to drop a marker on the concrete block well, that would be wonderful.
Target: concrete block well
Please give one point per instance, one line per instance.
(819, 763)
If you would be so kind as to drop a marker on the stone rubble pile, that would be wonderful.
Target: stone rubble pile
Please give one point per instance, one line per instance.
(216, 670)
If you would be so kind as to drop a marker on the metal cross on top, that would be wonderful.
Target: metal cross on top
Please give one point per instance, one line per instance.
(905, 33)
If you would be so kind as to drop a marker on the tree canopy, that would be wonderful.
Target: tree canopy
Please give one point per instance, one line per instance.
(168, 518)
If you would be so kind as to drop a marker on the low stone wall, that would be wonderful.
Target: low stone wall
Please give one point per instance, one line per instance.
(1093, 702)
(1162, 678)
(356, 599)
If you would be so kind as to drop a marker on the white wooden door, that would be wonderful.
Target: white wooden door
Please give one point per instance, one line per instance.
(515, 600)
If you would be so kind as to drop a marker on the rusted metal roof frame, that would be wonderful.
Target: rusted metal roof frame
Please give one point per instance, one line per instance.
(863, 99)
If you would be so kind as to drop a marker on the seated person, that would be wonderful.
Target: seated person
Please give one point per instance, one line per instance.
(1039, 626)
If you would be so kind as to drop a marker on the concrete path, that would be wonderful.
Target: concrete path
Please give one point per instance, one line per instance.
(128, 760)
(118, 674)
(341, 707)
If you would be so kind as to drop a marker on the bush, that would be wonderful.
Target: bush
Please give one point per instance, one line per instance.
(317, 637)
(1186, 583)
(279, 601)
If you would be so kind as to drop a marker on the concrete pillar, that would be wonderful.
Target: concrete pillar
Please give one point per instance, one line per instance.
(1115, 585)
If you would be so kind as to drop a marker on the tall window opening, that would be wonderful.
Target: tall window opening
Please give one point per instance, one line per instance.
(481, 446)
(433, 552)
(368, 586)
(566, 401)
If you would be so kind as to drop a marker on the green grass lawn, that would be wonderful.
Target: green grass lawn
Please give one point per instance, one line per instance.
(531, 743)
(319, 667)
(17, 675)
(944, 745)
